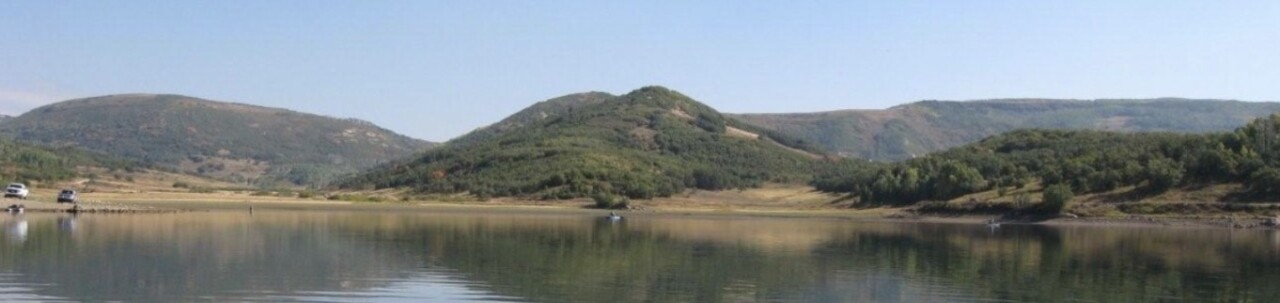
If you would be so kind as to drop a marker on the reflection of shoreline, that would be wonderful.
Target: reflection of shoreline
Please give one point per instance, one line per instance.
(181, 257)
(902, 261)
(575, 256)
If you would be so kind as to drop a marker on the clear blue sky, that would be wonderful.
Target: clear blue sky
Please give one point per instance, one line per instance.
(437, 69)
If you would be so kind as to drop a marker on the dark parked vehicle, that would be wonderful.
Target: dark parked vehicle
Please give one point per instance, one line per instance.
(67, 196)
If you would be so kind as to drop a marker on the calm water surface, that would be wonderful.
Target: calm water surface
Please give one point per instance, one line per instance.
(361, 256)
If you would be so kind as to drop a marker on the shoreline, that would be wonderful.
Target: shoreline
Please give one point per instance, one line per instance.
(170, 202)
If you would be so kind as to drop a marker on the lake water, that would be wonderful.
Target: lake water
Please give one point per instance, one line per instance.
(362, 256)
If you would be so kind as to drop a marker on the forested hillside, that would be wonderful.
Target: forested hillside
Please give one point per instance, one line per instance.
(916, 129)
(649, 143)
(31, 163)
(1077, 162)
(228, 141)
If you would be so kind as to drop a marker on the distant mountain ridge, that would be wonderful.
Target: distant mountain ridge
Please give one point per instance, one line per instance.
(229, 141)
(648, 143)
(915, 129)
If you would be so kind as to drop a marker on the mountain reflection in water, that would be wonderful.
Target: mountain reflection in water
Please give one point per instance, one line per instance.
(360, 256)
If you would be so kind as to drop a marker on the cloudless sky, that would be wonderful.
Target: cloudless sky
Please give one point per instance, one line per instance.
(437, 69)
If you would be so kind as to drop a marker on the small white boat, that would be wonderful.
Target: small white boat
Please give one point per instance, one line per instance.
(613, 217)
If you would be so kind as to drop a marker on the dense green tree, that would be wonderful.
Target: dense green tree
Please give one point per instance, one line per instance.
(955, 179)
(1057, 197)
(1265, 182)
(1163, 174)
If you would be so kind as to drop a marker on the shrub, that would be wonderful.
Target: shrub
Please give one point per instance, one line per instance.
(607, 201)
(1264, 183)
(356, 198)
(201, 190)
(1022, 200)
(1056, 197)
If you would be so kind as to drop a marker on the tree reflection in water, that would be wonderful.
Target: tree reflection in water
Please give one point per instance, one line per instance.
(360, 256)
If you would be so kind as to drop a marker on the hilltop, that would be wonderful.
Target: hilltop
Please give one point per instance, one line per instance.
(228, 141)
(915, 129)
(651, 142)
(532, 115)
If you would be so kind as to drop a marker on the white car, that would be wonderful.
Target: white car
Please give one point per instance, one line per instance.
(16, 190)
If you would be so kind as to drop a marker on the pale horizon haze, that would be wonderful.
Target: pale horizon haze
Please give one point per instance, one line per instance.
(437, 69)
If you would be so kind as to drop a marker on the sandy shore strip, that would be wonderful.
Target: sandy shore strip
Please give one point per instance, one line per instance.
(36, 206)
(813, 208)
